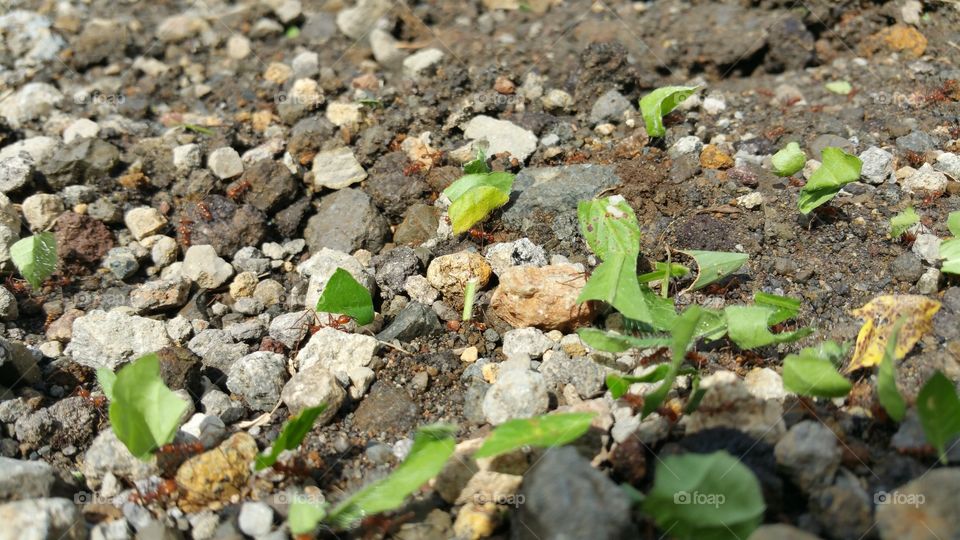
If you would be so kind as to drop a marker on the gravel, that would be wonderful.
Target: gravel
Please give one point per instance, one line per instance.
(517, 393)
(258, 378)
(109, 339)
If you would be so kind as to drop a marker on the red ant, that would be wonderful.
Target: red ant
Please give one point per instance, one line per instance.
(479, 234)
(204, 211)
(655, 356)
(183, 230)
(337, 323)
(237, 191)
(97, 401)
(166, 488)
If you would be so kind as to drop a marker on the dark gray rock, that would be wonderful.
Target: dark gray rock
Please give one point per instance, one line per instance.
(563, 480)
(907, 268)
(419, 224)
(266, 185)
(916, 141)
(414, 320)
(24, 479)
(346, 221)
(221, 223)
(83, 161)
(386, 408)
(392, 190)
(543, 192)
(843, 509)
(791, 46)
(393, 268)
(584, 374)
(827, 141)
(609, 108)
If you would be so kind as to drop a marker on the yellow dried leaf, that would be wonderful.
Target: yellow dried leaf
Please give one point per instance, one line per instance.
(881, 315)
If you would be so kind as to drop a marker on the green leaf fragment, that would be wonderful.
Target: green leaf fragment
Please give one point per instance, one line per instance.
(953, 223)
(503, 181)
(541, 432)
(610, 227)
(887, 391)
(432, 446)
(939, 409)
(107, 379)
(661, 102)
(789, 160)
(305, 516)
(747, 326)
(478, 165)
(620, 384)
(614, 342)
(35, 257)
(839, 87)
(903, 221)
(712, 266)
(785, 308)
(660, 272)
(813, 372)
(474, 206)
(344, 294)
(681, 335)
(838, 169)
(144, 413)
(290, 436)
(705, 496)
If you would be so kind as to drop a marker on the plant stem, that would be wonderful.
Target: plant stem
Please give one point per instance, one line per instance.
(469, 293)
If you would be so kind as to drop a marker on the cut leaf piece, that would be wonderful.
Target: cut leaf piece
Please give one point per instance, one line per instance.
(705, 496)
(499, 180)
(541, 432)
(610, 227)
(881, 314)
(789, 160)
(887, 391)
(660, 271)
(432, 446)
(747, 326)
(713, 266)
(343, 294)
(953, 223)
(950, 253)
(814, 373)
(839, 87)
(680, 338)
(478, 165)
(903, 221)
(661, 102)
(144, 413)
(290, 436)
(35, 257)
(106, 378)
(939, 409)
(620, 384)
(614, 342)
(785, 308)
(838, 169)
(474, 206)
(305, 516)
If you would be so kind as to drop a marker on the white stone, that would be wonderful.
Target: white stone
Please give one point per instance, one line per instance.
(16, 172)
(225, 163)
(690, 144)
(556, 99)
(336, 169)
(39, 148)
(421, 60)
(186, 157)
(312, 387)
(206, 428)
(306, 64)
(713, 105)
(202, 265)
(33, 101)
(344, 114)
(41, 210)
(525, 343)
(164, 251)
(929, 282)
(877, 165)
(385, 49)
(356, 21)
(949, 163)
(750, 200)
(925, 179)
(238, 47)
(102, 339)
(144, 221)
(338, 352)
(502, 135)
(255, 519)
(81, 129)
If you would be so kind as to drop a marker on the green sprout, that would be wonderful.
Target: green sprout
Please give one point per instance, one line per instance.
(35, 257)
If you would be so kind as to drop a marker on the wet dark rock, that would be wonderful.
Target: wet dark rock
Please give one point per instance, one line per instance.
(562, 480)
(307, 136)
(414, 320)
(83, 161)
(221, 223)
(386, 408)
(419, 224)
(392, 190)
(393, 268)
(346, 221)
(288, 220)
(81, 242)
(266, 185)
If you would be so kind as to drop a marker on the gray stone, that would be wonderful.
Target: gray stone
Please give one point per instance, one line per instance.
(144, 221)
(929, 282)
(877, 166)
(843, 508)
(20, 364)
(584, 374)
(337, 351)
(563, 480)
(356, 21)
(160, 294)
(393, 268)
(520, 252)
(24, 479)
(810, 455)
(248, 330)
(312, 387)
(906, 268)
(925, 179)
(346, 220)
(291, 328)
(33, 101)
(258, 378)
(108, 455)
(225, 163)
(830, 141)
(319, 267)
(218, 403)
(30, 37)
(541, 193)
(502, 136)
(414, 320)
(121, 262)
(41, 210)
(386, 409)
(203, 266)
(84, 161)
(526, 343)
(255, 519)
(217, 348)
(16, 172)
(610, 107)
(517, 393)
(8, 306)
(922, 508)
(927, 247)
(949, 163)
(421, 61)
(336, 169)
(916, 141)
(43, 518)
(385, 50)
(102, 339)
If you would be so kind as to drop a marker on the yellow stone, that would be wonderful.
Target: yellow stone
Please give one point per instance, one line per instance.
(713, 158)
(217, 477)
